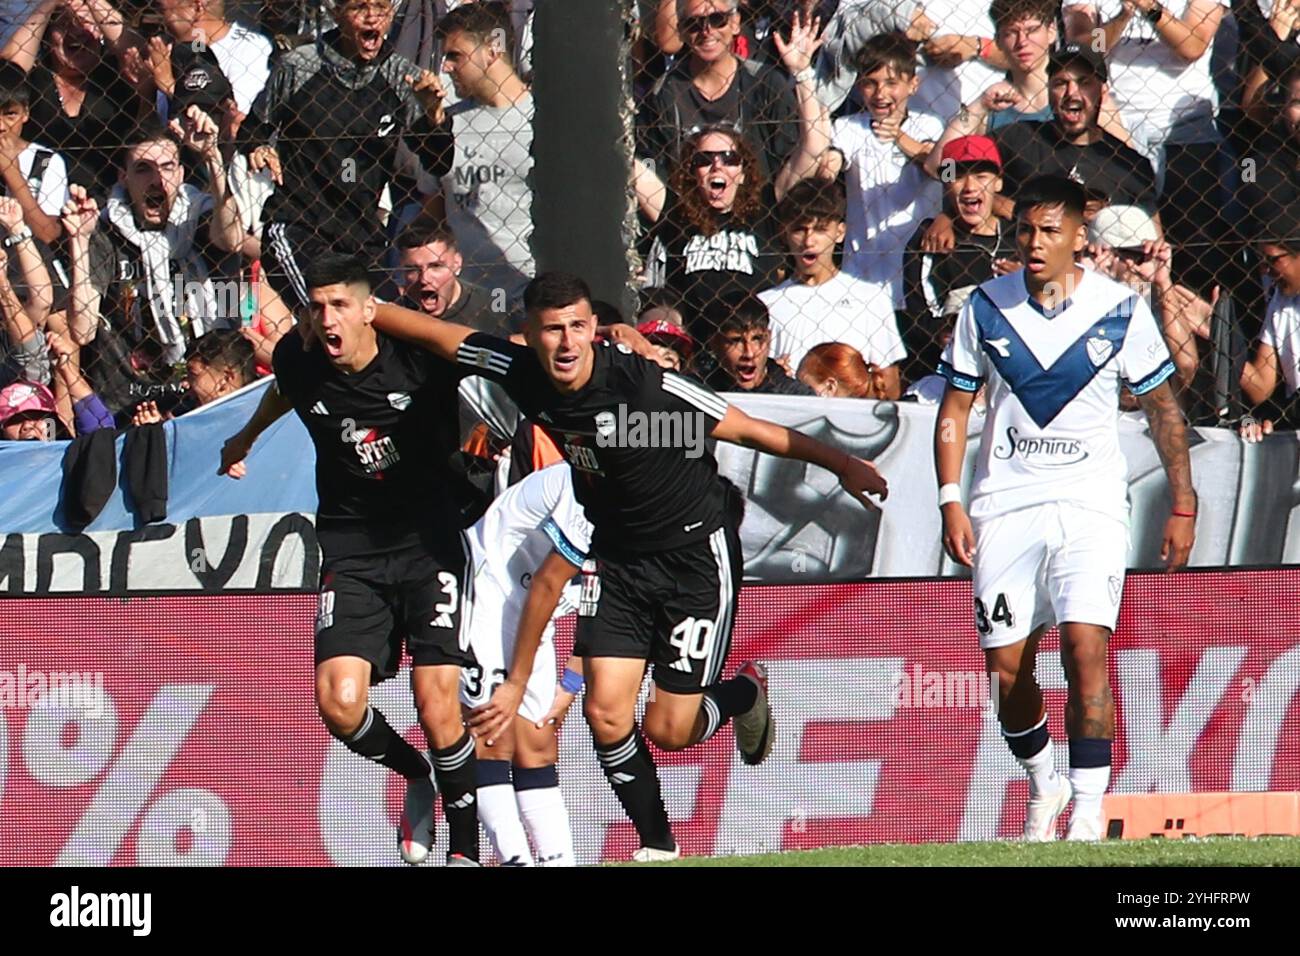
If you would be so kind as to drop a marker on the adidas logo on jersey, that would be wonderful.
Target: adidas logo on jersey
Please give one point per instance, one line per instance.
(464, 803)
(319, 409)
(400, 400)
(617, 779)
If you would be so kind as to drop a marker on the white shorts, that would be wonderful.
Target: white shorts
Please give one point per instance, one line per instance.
(1046, 565)
(493, 627)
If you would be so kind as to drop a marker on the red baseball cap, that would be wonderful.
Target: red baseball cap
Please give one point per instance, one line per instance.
(973, 149)
(22, 396)
(664, 332)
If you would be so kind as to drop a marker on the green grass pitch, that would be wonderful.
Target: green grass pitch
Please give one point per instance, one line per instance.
(1213, 851)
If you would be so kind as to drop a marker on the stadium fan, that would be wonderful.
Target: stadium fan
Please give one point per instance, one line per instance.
(961, 57)
(429, 277)
(662, 327)
(741, 348)
(713, 86)
(983, 247)
(525, 552)
(1074, 142)
(836, 370)
(27, 412)
(141, 284)
(488, 188)
(342, 108)
(80, 98)
(881, 150)
(820, 302)
(661, 582)
(713, 220)
(393, 570)
(1276, 359)
(1159, 53)
(1047, 531)
(30, 172)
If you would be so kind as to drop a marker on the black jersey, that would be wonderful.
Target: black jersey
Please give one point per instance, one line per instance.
(634, 436)
(384, 438)
(340, 125)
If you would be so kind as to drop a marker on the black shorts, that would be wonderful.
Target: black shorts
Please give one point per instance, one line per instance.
(286, 251)
(675, 609)
(368, 604)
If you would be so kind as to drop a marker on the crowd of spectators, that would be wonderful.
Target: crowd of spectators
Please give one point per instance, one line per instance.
(820, 183)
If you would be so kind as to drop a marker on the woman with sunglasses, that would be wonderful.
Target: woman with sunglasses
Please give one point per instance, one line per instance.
(714, 218)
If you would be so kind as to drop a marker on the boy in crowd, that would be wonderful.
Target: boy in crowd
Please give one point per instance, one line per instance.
(820, 302)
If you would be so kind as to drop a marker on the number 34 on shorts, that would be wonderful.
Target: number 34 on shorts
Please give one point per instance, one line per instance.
(1001, 614)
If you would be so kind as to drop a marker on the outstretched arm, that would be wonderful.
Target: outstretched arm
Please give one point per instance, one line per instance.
(544, 594)
(1170, 436)
(439, 337)
(858, 477)
(269, 410)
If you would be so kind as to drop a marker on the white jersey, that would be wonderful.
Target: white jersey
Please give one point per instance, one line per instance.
(888, 197)
(842, 309)
(1052, 428)
(523, 525)
(1281, 332)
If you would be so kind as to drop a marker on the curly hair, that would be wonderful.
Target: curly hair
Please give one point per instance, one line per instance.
(683, 184)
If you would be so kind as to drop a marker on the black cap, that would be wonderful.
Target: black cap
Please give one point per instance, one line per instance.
(199, 82)
(1078, 53)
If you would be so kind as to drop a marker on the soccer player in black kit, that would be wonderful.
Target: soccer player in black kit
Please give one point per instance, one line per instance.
(382, 417)
(662, 582)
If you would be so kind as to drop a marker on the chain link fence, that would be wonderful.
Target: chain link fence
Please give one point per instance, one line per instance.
(819, 184)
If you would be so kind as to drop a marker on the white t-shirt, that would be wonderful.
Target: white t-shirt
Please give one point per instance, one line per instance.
(889, 196)
(1282, 332)
(244, 58)
(489, 193)
(523, 525)
(943, 91)
(1052, 428)
(1161, 97)
(842, 309)
(52, 190)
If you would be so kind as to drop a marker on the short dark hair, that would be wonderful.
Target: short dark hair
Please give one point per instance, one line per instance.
(148, 130)
(811, 201)
(1052, 191)
(224, 348)
(737, 312)
(554, 290)
(1003, 12)
(425, 232)
(893, 50)
(482, 21)
(331, 268)
(14, 88)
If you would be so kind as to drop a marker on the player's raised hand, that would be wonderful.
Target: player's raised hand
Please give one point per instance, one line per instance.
(860, 478)
(233, 453)
(958, 535)
(493, 719)
(1180, 535)
(560, 707)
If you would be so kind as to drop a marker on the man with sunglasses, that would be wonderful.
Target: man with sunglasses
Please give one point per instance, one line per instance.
(710, 85)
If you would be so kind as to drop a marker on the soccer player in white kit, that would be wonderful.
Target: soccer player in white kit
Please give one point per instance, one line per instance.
(1047, 533)
(525, 551)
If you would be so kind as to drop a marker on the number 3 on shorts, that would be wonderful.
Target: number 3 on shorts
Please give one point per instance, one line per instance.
(1001, 614)
(693, 639)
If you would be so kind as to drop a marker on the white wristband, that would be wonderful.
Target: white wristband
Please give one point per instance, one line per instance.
(806, 75)
(949, 494)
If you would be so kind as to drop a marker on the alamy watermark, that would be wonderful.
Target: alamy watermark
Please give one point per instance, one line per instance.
(921, 688)
(72, 690)
(632, 428)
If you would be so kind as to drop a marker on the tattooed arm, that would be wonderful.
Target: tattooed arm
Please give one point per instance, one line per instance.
(1169, 433)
